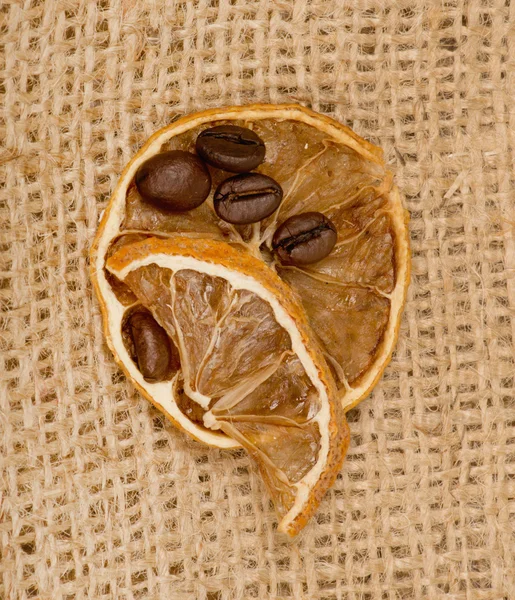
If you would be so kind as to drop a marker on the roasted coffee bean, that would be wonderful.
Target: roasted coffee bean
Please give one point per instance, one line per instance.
(229, 147)
(156, 355)
(174, 180)
(247, 198)
(304, 239)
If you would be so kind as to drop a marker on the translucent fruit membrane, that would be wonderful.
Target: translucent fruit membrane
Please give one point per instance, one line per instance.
(238, 364)
(346, 295)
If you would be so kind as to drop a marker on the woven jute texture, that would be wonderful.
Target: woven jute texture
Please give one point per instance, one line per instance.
(99, 496)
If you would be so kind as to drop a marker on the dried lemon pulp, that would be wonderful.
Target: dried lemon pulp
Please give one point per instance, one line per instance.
(352, 299)
(248, 360)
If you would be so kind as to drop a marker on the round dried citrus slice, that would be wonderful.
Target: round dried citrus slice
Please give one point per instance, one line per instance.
(354, 297)
(249, 366)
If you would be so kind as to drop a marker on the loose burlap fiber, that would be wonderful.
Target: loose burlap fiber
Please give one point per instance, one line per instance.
(99, 496)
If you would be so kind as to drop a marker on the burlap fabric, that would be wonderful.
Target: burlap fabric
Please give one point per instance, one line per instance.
(99, 496)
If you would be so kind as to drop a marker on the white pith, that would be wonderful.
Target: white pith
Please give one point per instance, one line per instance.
(238, 281)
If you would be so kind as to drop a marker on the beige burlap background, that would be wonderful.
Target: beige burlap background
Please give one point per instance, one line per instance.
(99, 496)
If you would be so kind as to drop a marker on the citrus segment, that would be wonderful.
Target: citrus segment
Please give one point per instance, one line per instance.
(212, 324)
(141, 216)
(350, 320)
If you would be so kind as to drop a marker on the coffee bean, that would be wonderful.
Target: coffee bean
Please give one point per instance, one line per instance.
(304, 239)
(174, 180)
(247, 198)
(229, 147)
(156, 354)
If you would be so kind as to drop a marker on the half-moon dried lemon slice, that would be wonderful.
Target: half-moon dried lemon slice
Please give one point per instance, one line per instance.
(353, 297)
(249, 365)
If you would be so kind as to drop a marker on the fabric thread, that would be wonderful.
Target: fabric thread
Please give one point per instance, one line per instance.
(100, 497)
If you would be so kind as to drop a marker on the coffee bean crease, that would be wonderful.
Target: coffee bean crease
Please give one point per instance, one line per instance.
(304, 239)
(247, 198)
(231, 147)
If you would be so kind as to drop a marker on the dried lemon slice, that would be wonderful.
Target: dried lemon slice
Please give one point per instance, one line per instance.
(249, 364)
(354, 297)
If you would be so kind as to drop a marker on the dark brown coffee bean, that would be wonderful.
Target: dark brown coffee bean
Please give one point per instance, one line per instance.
(304, 239)
(174, 180)
(229, 147)
(247, 198)
(156, 354)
